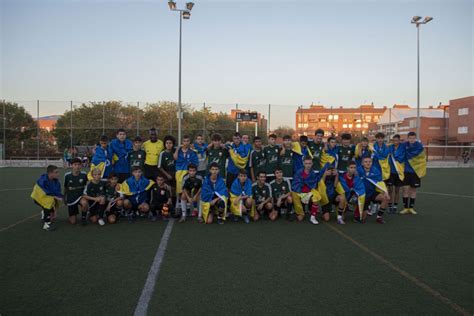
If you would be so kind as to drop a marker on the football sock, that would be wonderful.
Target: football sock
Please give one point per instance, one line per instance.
(412, 202)
(395, 205)
(289, 208)
(314, 209)
(199, 209)
(102, 208)
(340, 211)
(405, 202)
(184, 206)
(83, 215)
(153, 211)
(389, 205)
(47, 215)
(380, 212)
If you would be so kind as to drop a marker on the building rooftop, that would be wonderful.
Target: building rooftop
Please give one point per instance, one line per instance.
(399, 114)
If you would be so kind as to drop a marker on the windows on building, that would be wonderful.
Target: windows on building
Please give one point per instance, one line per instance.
(463, 130)
(344, 125)
(412, 123)
(463, 111)
(333, 117)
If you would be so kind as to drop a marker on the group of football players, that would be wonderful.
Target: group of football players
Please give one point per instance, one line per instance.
(237, 179)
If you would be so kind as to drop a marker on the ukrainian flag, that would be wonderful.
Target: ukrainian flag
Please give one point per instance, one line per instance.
(381, 155)
(239, 156)
(416, 157)
(100, 161)
(208, 191)
(397, 158)
(358, 188)
(136, 189)
(237, 190)
(45, 190)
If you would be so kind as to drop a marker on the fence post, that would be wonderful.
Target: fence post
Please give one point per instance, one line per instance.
(268, 122)
(4, 130)
(71, 125)
(103, 118)
(204, 121)
(236, 123)
(37, 129)
(138, 118)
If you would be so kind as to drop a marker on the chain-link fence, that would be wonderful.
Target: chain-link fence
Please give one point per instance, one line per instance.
(41, 129)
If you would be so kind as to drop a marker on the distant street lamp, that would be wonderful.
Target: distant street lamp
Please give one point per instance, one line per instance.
(183, 14)
(417, 21)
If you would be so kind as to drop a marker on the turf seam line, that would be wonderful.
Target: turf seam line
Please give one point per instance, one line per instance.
(448, 194)
(19, 222)
(17, 189)
(149, 287)
(460, 310)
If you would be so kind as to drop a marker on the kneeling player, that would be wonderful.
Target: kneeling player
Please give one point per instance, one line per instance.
(304, 191)
(47, 194)
(94, 195)
(375, 189)
(135, 189)
(214, 196)
(262, 198)
(74, 185)
(160, 201)
(241, 196)
(281, 192)
(114, 199)
(331, 194)
(191, 193)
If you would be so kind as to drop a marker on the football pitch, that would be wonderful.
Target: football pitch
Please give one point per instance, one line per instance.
(419, 264)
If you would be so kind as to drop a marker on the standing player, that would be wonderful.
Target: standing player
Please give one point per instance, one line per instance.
(217, 153)
(345, 153)
(192, 183)
(241, 197)
(415, 169)
(317, 148)
(332, 150)
(160, 199)
(272, 157)
(214, 196)
(153, 148)
(136, 190)
(238, 158)
(257, 161)
(119, 149)
(286, 158)
(200, 147)
(381, 155)
(304, 191)
(362, 150)
(166, 164)
(47, 194)
(94, 196)
(281, 192)
(262, 198)
(183, 156)
(301, 151)
(375, 189)
(101, 158)
(137, 156)
(74, 184)
(396, 160)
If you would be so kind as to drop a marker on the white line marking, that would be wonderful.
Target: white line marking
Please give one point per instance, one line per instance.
(18, 189)
(147, 292)
(447, 194)
(19, 222)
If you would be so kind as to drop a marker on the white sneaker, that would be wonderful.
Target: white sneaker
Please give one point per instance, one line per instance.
(340, 221)
(101, 222)
(313, 220)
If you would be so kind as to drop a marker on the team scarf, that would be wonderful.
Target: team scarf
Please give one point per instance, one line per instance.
(358, 189)
(298, 181)
(397, 159)
(45, 190)
(416, 157)
(210, 189)
(239, 155)
(101, 161)
(185, 159)
(136, 189)
(119, 153)
(381, 159)
(372, 181)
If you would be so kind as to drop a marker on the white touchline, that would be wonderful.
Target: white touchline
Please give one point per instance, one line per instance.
(18, 189)
(147, 292)
(447, 194)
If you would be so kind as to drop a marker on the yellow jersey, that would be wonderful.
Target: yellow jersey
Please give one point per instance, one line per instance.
(153, 151)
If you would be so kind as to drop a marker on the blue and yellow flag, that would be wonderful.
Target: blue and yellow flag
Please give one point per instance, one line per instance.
(381, 159)
(358, 189)
(416, 158)
(209, 191)
(239, 156)
(101, 161)
(136, 189)
(397, 160)
(45, 190)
